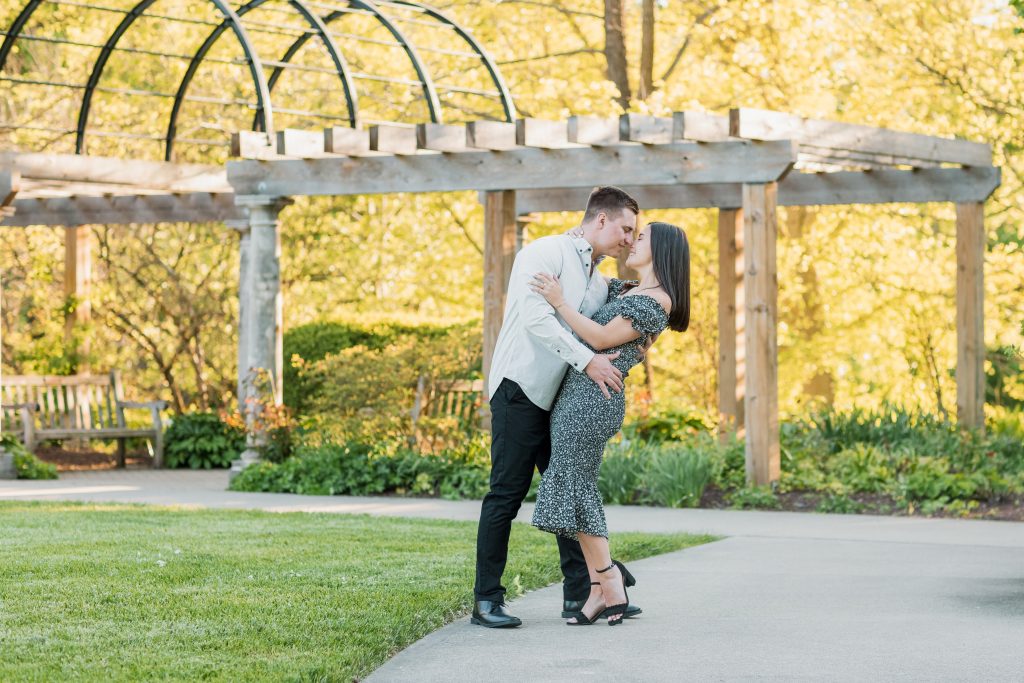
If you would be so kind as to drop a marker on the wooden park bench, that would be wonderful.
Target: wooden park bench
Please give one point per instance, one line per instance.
(43, 407)
(461, 399)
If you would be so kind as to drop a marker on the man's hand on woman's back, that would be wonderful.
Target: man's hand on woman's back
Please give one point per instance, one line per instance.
(604, 374)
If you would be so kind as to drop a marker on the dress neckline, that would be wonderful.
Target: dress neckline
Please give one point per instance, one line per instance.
(661, 308)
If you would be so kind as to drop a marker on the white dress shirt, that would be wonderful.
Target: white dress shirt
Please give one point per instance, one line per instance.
(535, 346)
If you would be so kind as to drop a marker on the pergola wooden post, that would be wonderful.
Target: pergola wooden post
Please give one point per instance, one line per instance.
(970, 314)
(760, 312)
(731, 340)
(499, 253)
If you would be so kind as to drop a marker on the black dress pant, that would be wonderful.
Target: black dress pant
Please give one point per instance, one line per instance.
(520, 441)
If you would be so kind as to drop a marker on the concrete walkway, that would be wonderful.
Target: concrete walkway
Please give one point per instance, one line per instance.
(786, 596)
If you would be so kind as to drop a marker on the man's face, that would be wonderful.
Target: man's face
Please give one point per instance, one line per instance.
(616, 231)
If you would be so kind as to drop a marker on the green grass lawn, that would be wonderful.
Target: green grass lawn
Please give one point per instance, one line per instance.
(117, 592)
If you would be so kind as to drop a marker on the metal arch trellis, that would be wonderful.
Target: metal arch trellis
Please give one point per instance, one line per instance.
(429, 91)
(506, 96)
(492, 68)
(263, 119)
(232, 20)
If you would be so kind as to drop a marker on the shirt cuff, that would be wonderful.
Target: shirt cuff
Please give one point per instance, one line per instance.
(581, 359)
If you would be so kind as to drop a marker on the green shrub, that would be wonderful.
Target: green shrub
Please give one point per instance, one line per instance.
(1007, 423)
(754, 497)
(729, 459)
(843, 505)
(26, 464)
(677, 475)
(310, 343)
(862, 468)
(622, 470)
(366, 394)
(888, 427)
(202, 441)
(666, 425)
(357, 469)
(932, 479)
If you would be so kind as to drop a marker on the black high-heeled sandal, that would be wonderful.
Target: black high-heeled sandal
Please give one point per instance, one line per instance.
(619, 609)
(582, 619)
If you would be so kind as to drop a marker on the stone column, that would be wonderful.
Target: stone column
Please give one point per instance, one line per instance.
(259, 311)
(7, 470)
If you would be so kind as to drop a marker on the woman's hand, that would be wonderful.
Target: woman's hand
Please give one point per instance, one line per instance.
(575, 232)
(548, 287)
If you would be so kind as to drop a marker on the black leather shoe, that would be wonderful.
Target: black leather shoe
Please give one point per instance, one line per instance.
(493, 614)
(571, 608)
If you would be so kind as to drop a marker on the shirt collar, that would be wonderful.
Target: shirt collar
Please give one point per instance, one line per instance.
(582, 246)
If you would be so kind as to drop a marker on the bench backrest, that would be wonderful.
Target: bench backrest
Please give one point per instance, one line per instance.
(64, 401)
(459, 398)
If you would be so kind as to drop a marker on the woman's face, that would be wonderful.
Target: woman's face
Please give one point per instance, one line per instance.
(640, 252)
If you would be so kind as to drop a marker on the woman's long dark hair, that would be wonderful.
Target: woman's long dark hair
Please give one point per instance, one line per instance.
(670, 256)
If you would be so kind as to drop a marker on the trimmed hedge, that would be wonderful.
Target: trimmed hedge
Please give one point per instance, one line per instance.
(316, 341)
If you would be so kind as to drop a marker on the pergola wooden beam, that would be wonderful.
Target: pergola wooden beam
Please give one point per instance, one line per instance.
(10, 183)
(145, 175)
(823, 145)
(757, 124)
(796, 189)
(192, 207)
(524, 168)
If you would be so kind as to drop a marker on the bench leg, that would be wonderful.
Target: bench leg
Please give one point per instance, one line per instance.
(158, 451)
(121, 450)
(158, 439)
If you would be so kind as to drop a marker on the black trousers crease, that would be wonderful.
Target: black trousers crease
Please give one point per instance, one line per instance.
(520, 441)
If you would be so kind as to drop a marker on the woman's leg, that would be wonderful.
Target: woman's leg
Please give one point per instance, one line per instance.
(612, 588)
(595, 602)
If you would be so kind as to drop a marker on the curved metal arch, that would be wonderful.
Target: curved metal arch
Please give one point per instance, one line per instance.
(264, 110)
(429, 91)
(15, 30)
(351, 97)
(231, 19)
(485, 57)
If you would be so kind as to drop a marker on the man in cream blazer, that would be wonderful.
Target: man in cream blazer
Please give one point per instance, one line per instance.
(535, 349)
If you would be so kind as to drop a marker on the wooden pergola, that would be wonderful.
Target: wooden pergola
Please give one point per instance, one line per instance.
(744, 164)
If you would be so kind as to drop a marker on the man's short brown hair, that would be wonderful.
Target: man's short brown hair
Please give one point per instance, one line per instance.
(609, 199)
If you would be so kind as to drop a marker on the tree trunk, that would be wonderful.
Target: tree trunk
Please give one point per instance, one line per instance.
(615, 49)
(647, 52)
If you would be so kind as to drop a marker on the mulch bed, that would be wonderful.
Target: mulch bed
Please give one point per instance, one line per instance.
(87, 459)
(1011, 509)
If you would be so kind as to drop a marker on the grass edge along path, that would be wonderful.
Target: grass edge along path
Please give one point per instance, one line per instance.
(134, 592)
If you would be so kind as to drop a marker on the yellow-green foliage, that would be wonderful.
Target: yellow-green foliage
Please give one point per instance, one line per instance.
(866, 294)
